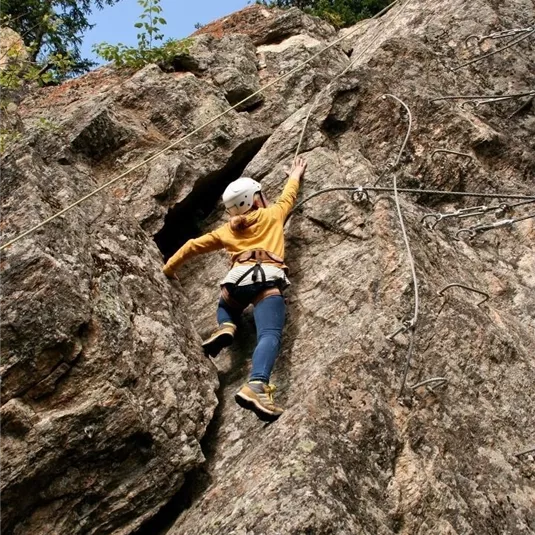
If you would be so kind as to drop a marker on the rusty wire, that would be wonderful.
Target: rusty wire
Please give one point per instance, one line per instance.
(525, 452)
(485, 295)
(449, 151)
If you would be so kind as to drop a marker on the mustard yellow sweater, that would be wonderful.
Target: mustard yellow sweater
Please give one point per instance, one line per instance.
(265, 230)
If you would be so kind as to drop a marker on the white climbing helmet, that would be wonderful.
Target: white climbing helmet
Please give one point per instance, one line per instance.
(239, 195)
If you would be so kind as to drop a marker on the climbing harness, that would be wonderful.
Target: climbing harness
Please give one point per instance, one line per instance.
(269, 287)
(189, 134)
(255, 270)
(259, 255)
(472, 232)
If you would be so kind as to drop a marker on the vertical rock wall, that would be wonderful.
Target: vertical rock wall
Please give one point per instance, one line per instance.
(106, 398)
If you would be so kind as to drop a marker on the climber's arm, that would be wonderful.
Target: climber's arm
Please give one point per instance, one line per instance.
(204, 244)
(286, 201)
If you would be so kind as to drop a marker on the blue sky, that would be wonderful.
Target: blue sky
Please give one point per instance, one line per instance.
(116, 24)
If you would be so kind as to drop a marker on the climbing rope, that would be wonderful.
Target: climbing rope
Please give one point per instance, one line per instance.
(380, 29)
(185, 137)
(512, 43)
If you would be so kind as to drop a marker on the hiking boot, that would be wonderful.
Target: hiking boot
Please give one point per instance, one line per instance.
(257, 396)
(223, 337)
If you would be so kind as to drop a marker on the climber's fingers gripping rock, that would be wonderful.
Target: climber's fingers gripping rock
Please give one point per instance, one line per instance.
(298, 169)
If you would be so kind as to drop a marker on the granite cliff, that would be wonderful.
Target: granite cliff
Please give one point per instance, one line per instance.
(113, 421)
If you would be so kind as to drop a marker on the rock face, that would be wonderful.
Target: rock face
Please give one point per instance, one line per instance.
(11, 48)
(106, 397)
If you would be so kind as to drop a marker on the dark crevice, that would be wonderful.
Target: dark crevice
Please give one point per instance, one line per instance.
(237, 95)
(184, 220)
(255, 106)
(195, 483)
(274, 37)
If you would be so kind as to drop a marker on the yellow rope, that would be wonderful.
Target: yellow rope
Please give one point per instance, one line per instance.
(183, 138)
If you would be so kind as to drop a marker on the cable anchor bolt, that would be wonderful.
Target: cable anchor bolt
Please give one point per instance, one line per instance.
(405, 326)
(359, 194)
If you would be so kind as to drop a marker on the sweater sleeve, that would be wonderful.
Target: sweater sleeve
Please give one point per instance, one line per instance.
(286, 201)
(204, 244)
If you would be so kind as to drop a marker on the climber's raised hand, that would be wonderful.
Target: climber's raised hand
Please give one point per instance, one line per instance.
(298, 169)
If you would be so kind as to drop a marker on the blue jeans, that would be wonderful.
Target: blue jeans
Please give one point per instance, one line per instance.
(269, 316)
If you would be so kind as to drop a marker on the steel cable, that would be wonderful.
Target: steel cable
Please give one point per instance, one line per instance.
(479, 58)
(412, 190)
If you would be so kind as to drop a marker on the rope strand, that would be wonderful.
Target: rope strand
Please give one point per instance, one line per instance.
(181, 139)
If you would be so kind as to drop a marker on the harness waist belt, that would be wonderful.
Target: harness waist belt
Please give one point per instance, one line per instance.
(258, 255)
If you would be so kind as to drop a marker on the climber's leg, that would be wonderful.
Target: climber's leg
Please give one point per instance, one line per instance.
(228, 313)
(257, 394)
(269, 315)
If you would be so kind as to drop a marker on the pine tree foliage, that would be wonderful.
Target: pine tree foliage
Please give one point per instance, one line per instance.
(52, 27)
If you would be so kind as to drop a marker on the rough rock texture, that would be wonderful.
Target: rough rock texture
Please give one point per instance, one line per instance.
(11, 47)
(106, 397)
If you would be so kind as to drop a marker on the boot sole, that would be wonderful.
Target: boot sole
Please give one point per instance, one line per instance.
(213, 347)
(250, 404)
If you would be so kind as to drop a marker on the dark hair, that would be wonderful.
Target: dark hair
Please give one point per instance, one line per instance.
(238, 223)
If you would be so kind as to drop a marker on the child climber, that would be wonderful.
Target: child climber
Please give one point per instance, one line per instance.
(254, 237)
